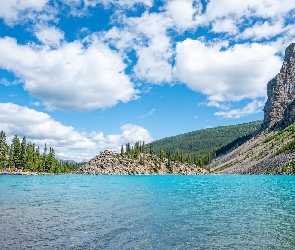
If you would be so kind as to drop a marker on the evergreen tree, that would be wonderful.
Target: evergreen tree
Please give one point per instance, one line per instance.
(152, 150)
(16, 152)
(143, 148)
(3, 151)
(44, 159)
(122, 150)
(162, 154)
(136, 150)
(23, 151)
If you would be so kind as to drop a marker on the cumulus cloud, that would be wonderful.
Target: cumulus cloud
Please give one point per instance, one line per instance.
(40, 128)
(130, 134)
(15, 11)
(263, 30)
(71, 77)
(251, 108)
(182, 13)
(237, 72)
(147, 35)
(49, 35)
(68, 143)
(267, 9)
(226, 25)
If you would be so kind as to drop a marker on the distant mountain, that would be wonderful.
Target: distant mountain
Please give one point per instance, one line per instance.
(209, 140)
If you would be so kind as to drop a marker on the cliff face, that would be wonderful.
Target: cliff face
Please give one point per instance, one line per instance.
(270, 151)
(281, 93)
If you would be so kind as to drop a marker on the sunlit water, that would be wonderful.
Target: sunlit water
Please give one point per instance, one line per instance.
(147, 212)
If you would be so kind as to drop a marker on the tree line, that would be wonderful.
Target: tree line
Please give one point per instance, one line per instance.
(140, 150)
(26, 156)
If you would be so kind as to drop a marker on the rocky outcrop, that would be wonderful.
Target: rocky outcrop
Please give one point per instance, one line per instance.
(111, 163)
(281, 93)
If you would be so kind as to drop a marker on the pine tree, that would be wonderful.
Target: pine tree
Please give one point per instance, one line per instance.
(3, 150)
(143, 148)
(136, 150)
(23, 151)
(44, 159)
(122, 150)
(16, 152)
(162, 154)
(152, 150)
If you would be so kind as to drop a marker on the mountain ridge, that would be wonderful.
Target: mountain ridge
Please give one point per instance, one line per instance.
(271, 150)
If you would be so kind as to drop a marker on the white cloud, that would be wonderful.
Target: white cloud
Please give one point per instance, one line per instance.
(263, 30)
(123, 3)
(41, 128)
(148, 114)
(49, 35)
(251, 108)
(14, 11)
(251, 8)
(227, 25)
(154, 50)
(68, 143)
(71, 77)
(148, 37)
(6, 82)
(130, 134)
(236, 72)
(182, 12)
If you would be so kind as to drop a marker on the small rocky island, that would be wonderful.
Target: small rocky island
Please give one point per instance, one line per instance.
(111, 163)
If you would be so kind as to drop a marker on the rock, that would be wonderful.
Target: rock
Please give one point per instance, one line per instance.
(281, 94)
(109, 162)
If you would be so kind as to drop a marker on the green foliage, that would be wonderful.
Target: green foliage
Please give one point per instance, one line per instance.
(201, 146)
(281, 134)
(289, 147)
(3, 150)
(26, 156)
(16, 151)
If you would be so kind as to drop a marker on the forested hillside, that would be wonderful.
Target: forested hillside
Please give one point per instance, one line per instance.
(208, 141)
(26, 156)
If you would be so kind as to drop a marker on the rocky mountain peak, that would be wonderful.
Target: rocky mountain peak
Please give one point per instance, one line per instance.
(290, 53)
(279, 109)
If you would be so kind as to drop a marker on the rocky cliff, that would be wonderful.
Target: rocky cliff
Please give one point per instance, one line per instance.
(279, 108)
(111, 163)
(272, 150)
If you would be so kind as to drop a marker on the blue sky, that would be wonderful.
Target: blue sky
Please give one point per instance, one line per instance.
(89, 75)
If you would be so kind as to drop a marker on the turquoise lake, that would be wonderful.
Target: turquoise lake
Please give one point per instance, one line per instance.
(147, 212)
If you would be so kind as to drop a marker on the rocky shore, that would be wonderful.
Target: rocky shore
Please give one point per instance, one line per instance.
(111, 163)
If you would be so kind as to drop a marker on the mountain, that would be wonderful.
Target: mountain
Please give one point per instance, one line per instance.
(272, 149)
(210, 139)
(279, 108)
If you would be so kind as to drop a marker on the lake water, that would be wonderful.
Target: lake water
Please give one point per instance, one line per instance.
(147, 212)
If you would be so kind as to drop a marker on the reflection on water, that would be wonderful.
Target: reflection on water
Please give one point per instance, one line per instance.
(147, 212)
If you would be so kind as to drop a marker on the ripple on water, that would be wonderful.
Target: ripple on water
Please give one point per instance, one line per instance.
(147, 212)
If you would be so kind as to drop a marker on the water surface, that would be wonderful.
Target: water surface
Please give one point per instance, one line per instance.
(147, 212)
